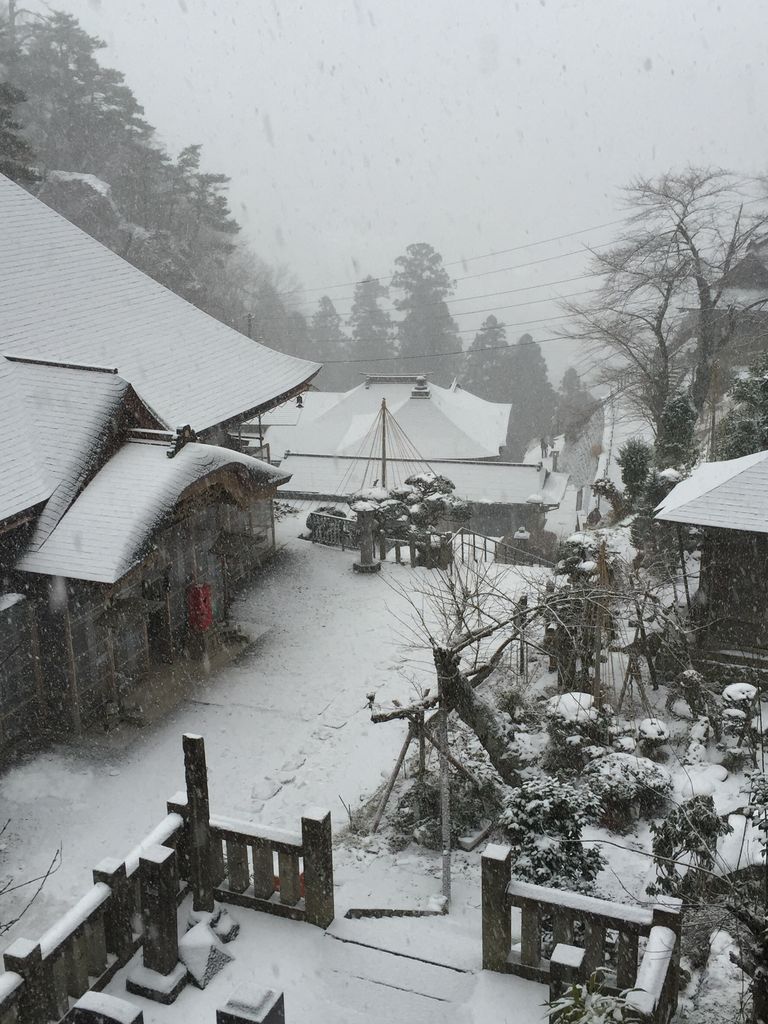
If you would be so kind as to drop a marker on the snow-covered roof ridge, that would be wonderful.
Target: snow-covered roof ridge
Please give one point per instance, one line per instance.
(109, 526)
(730, 495)
(65, 297)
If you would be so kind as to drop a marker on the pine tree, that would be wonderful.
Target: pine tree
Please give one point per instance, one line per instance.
(675, 443)
(329, 344)
(744, 429)
(16, 155)
(487, 364)
(575, 405)
(531, 395)
(372, 348)
(427, 330)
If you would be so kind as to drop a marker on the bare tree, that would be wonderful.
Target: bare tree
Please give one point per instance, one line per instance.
(661, 314)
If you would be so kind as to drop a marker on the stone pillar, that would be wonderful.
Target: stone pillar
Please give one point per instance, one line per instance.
(196, 774)
(368, 562)
(497, 922)
(118, 930)
(162, 977)
(317, 840)
(566, 968)
(26, 959)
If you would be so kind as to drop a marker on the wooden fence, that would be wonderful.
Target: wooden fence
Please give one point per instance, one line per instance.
(653, 978)
(333, 531)
(286, 874)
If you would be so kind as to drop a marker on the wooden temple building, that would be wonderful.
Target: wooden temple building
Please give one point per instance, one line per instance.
(123, 535)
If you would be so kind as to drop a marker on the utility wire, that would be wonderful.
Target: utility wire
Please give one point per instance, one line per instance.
(472, 259)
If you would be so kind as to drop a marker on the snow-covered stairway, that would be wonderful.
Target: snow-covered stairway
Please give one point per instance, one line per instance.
(425, 969)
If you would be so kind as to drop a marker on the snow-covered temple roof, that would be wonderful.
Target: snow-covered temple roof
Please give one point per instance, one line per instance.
(338, 477)
(440, 423)
(65, 297)
(108, 528)
(731, 495)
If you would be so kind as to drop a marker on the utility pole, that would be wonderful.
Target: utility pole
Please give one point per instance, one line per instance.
(384, 442)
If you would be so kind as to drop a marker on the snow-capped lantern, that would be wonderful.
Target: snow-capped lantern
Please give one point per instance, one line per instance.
(200, 607)
(522, 535)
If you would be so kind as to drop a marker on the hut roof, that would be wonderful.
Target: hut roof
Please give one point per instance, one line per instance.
(23, 484)
(109, 527)
(65, 297)
(731, 495)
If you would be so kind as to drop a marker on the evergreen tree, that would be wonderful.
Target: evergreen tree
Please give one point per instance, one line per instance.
(487, 364)
(531, 395)
(427, 330)
(675, 444)
(575, 405)
(635, 459)
(744, 429)
(373, 348)
(329, 344)
(16, 155)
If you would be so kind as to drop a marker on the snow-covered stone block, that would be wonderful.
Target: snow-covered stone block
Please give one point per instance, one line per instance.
(203, 954)
(250, 1004)
(161, 988)
(220, 921)
(100, 1008)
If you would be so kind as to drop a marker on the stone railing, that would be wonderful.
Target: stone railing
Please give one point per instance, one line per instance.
(653, 978)
(333, 531)
(132, 903)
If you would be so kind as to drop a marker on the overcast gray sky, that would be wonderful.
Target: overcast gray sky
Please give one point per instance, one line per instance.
(351, 128)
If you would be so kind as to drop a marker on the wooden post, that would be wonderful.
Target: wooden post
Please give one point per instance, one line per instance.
(159, 886)
(412, 551)
(118, 930)
(199, 822)
(668, 916)
(238, 876)
(626, 960)
(263, 872)
(290, 884)
(26, 959)
(496, 864)
(317, 841)
(178, 805)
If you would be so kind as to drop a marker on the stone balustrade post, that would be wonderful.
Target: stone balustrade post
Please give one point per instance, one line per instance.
(497, 921)
(317, 840)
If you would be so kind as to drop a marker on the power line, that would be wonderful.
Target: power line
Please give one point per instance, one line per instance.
(482, 295)
(454, 352)
(468, 259)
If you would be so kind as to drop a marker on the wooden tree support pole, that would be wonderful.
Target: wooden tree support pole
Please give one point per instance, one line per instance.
(683, 568)
(393, 778)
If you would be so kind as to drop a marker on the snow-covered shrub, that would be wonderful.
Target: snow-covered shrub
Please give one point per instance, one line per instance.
(575, 726)
(417, 815)
(652, 735)
(635, 460)
(543, 821)
(628, 787)
(685, 847)
(698, 697)
(588, 1004)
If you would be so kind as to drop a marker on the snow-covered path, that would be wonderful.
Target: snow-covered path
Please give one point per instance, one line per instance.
(286, 727)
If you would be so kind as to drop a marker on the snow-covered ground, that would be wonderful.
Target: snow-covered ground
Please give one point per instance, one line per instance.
(286, 727)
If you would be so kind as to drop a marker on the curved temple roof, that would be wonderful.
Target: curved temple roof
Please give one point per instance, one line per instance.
(108, 528)
(65, 297)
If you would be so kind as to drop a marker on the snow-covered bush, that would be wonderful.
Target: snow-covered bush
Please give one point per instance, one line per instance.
(685, 847)
(588, 1004)
(417, 815)
(423, 505)
(697, 697)
(543, 822)
(575, 726)
(652, 735)
(628, 787)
